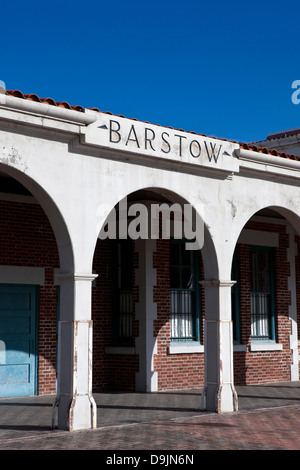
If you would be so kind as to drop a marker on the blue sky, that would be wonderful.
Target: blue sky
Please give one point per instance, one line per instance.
(222, 68)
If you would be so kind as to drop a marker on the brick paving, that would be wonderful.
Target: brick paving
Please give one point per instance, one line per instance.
(158, 427)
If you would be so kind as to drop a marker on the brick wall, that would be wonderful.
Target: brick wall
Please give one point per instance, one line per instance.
(269, 366)
(179, 371)
(110, 371)
(27, 239)
(187, 370)
(175, 371)
(297, 240)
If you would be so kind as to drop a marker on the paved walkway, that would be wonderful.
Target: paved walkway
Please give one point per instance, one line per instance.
(268, 419)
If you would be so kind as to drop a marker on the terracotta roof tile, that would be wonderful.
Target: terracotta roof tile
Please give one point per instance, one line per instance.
(50, 101)
(64, 104)
(268, 151)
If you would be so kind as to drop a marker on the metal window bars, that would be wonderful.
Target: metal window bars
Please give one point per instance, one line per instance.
(260, 324)
(182, 318)
(125, 314)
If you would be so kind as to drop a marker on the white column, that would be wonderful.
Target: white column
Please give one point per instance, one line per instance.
(219, 393)
(74, 400)
(145, 312)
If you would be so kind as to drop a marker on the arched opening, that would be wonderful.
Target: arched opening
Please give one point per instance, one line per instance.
(148, 303)
(34, 245)
(265, 299)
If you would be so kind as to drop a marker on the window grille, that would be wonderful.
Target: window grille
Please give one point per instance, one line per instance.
(260, 315)
(261, 293)
(122, 291)
(184, 293)
(125, 313)
(182, 314)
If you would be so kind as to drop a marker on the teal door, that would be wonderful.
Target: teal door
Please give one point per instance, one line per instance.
(18, 369)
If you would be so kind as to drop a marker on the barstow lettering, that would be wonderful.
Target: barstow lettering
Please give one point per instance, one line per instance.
(151, 141)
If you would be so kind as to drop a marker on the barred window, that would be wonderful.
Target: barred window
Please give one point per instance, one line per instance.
(184, 293)
(122, 275)
(262, 293)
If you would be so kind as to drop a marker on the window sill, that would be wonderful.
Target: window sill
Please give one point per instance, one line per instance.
(265, 346)
(120, 350)
(186, 348)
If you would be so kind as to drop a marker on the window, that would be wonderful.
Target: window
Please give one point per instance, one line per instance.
(184, 293)
(122, 276)
(262, 293)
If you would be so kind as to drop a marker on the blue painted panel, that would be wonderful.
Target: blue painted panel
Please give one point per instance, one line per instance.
(14, 374)
(14, 352)
(17, 340)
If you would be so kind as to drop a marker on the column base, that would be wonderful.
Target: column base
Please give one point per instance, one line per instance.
(75, 413)
(219, 398)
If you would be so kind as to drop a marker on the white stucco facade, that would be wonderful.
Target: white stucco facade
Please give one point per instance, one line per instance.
(80, 165)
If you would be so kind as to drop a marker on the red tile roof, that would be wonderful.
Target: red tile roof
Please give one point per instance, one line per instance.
(64, 104)
(268, 151)
(33, 97)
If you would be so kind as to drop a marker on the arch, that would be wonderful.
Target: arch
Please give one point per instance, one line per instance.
(40, 246)
(280, 250)
(52, 212)
(159, 194)
(145, 252)
(286, 212)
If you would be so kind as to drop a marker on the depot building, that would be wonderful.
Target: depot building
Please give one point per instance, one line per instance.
(91, 302)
